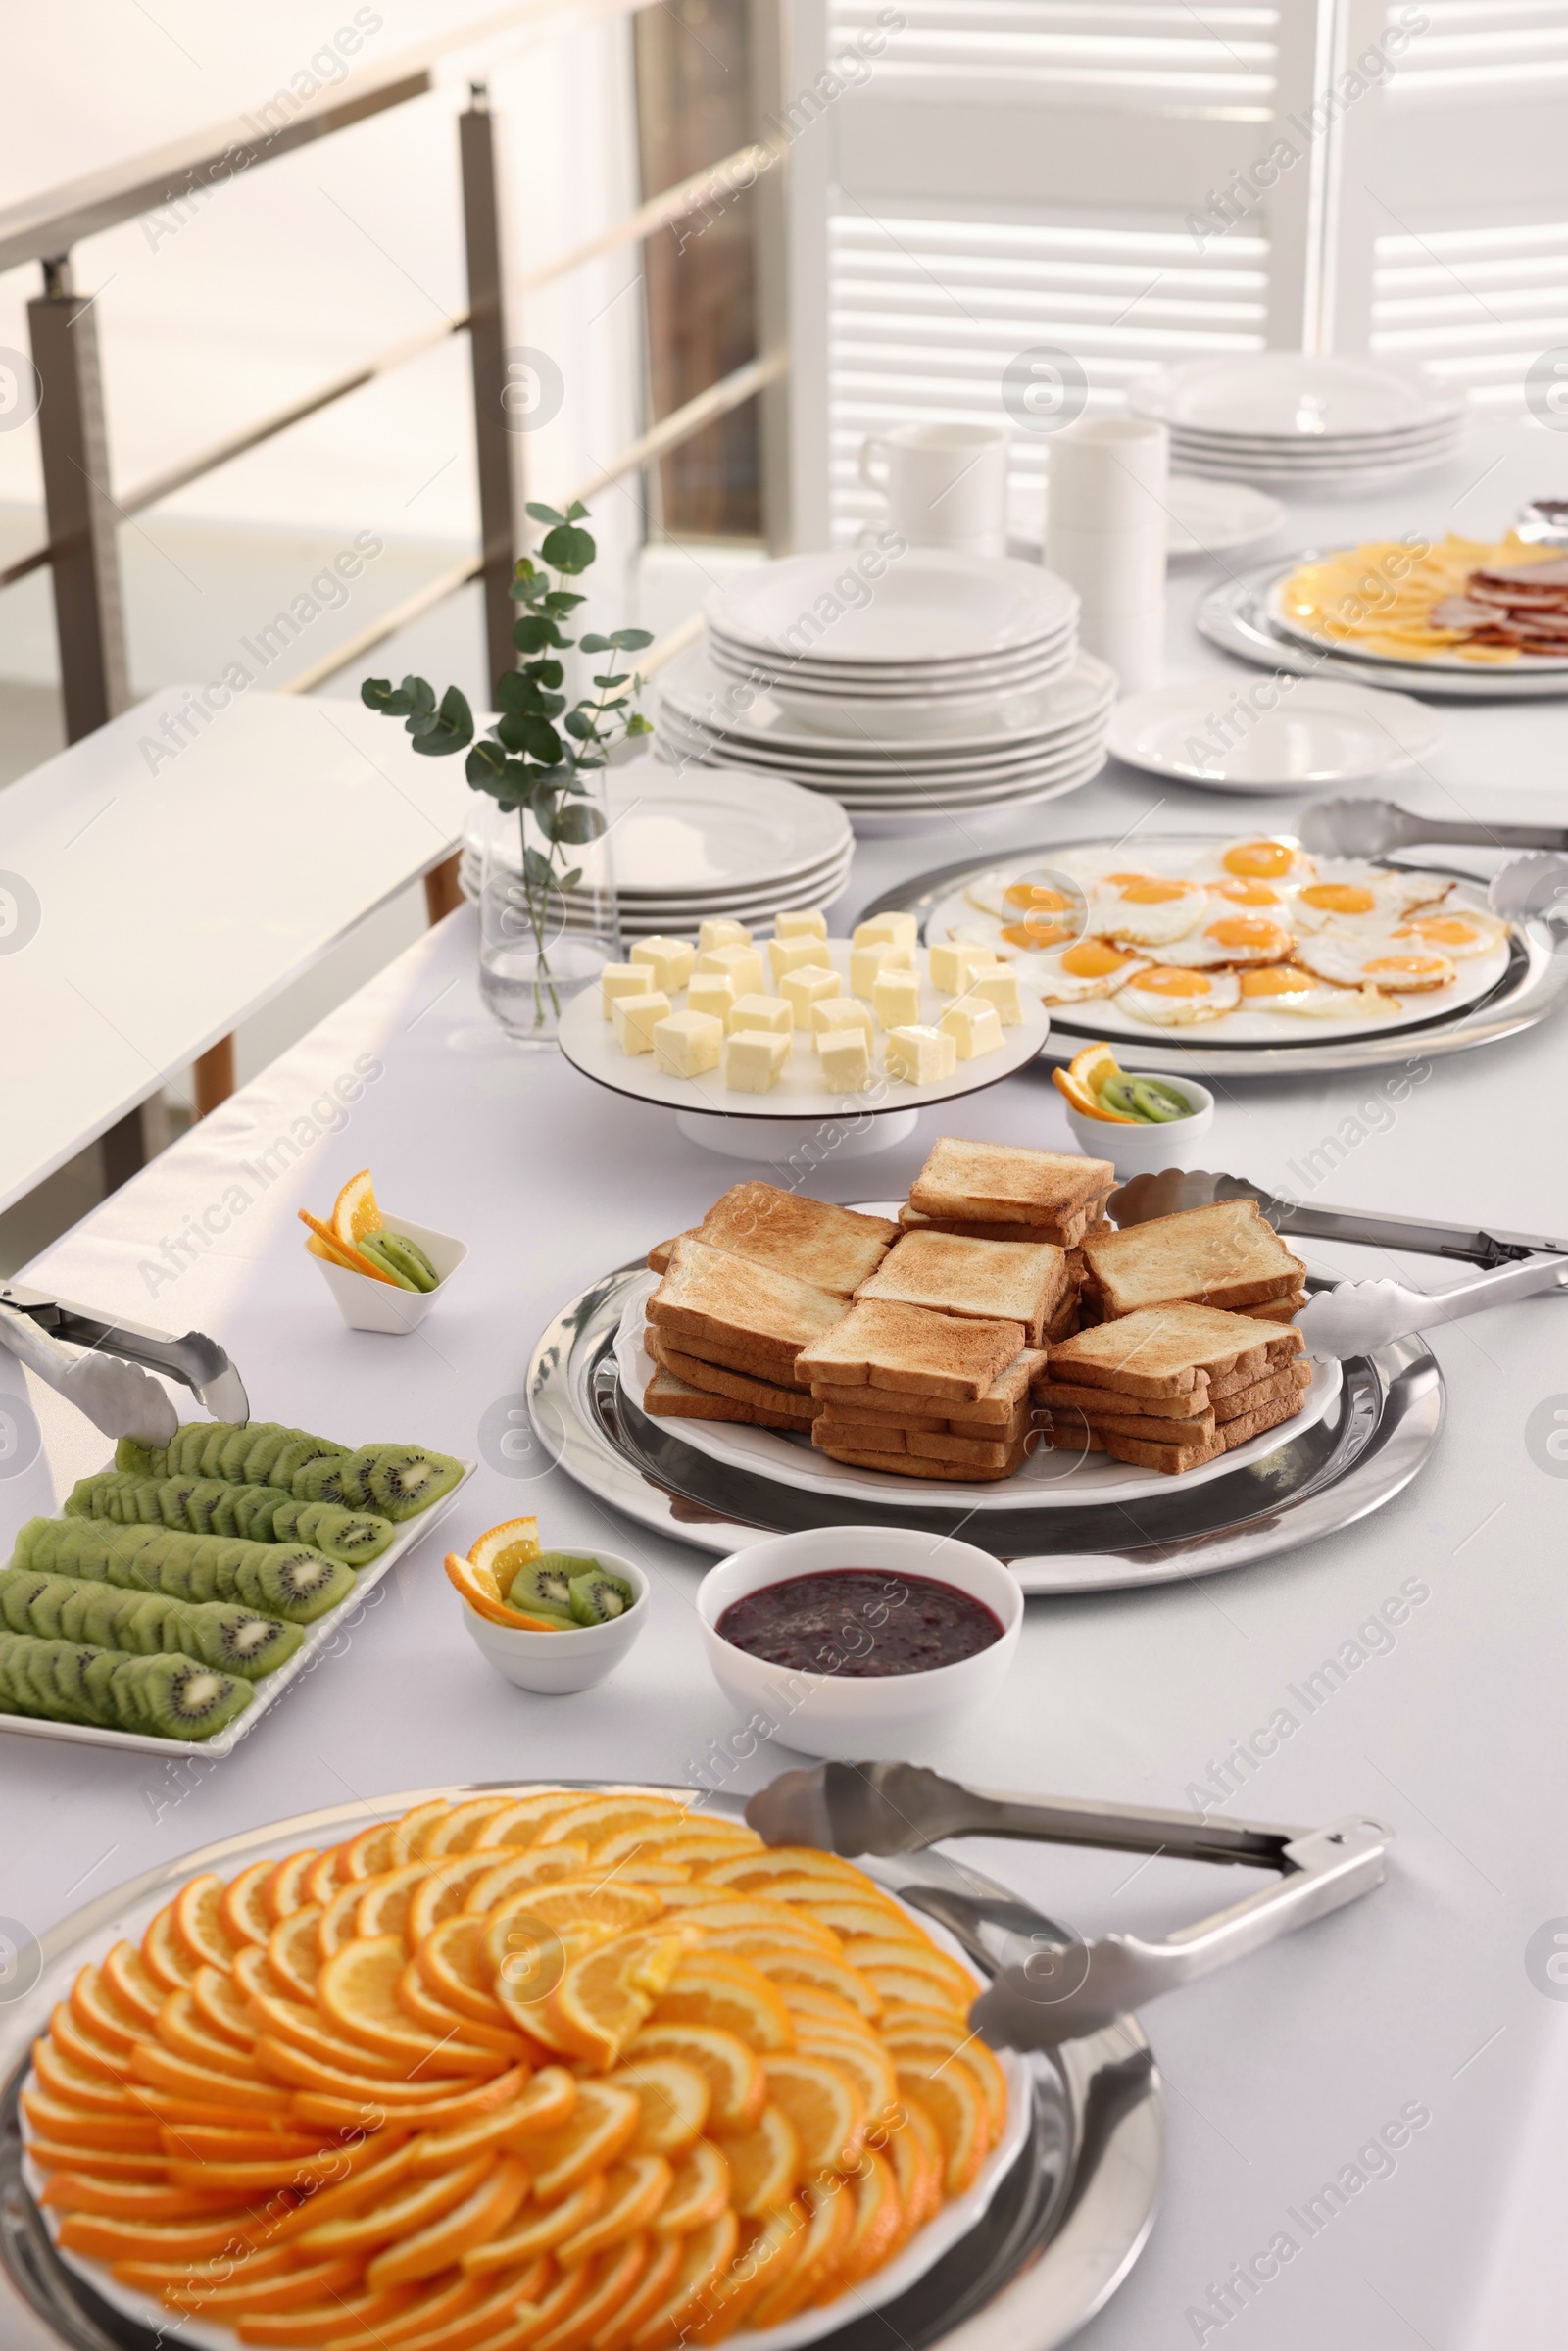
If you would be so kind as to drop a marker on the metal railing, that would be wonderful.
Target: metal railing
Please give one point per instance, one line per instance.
(83, 513)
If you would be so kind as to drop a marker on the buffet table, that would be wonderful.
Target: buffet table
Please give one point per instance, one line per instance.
(1430, 2000)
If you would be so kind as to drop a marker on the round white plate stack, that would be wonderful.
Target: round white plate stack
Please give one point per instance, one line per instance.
(1013, 750)
(1315, 424)
(702, 842)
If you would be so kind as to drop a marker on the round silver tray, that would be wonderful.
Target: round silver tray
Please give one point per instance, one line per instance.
(1534, 984)
(1372, 1441)
(1235, 617)
(1061, 2231)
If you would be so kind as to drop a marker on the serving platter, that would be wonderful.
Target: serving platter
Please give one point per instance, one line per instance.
(1368, 1446)
(272, 1687)
(1061, 2222)
(1448, 658)
(1532, 985)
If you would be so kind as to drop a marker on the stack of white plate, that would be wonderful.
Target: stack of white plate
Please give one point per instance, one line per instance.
(1283, 417)
(891, 645)
(1014, 750)
(706, 842)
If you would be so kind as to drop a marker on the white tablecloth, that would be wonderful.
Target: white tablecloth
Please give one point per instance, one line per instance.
(1417, 2002)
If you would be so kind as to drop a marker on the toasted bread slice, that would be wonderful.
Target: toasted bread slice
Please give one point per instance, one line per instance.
(1282, 1347)
(1071, 1432)
(1004, 1399)
(1062, 1231)
(859, 1432)
(884, 1344)
(776, 1371)
(1196, 1429)
(1266, 1391)
(1225, 1255)
(987, 1281)
(713, 1379)
(1002, 1183)
(877, 1431)
(1233, 1433)
(1066, 1395)
(833, 1249)
(709, 1293)
(665, 1397)
(1174, 1460)
(907, 1465)
(659, 1254)
(1278, 1309)
(1160, 1350)
(977, 1452)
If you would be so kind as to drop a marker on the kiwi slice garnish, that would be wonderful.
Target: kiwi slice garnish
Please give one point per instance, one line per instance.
(294, 1582)
(406, 1258)
(599, 1597)
(542, 1586)
(405, 1479)
(374, 1247)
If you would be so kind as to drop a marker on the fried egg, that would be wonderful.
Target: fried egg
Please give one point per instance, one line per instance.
(1376, 963)
(1235, 893)
(1144, 909)
(1230, 937)
(1288, 988)
(1089, 968)
(1454, 935)
(1349, 895)
(1050, 906)
(1173, 998)
(1261, 858)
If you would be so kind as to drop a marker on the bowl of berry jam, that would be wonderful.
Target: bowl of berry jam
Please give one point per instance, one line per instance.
(846, 1641)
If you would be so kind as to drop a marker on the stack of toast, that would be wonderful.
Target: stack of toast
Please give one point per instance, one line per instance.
(1169, 1387)
(922, 1393)
(1227, 1255)
(998, 1191)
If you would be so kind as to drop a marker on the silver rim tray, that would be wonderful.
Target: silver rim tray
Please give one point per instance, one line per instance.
(1061, 2234)
(1372, 1443)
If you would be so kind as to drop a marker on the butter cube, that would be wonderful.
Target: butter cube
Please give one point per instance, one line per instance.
(998, 987)
(880, 955)
(754, 1060)
(742, 964)
(634, 1018)
(952, 960)
(721, 932)
(974, 1028)
(920, 1054)
(686, 1043)
(895, 998)
(622, 979)
(807, 986)
(668, 960)
(846, 1059)
(791, 955)
(711, 992)
(807, 922)
(836, 1016)
(774, 1014)
(890, 930)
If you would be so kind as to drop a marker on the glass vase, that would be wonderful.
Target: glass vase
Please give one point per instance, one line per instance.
(543, 940)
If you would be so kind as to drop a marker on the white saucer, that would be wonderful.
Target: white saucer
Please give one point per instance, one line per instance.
(1215, 518)
(1318, 734)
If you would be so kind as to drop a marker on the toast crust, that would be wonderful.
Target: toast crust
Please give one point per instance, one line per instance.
(906, 1349)
(986, 1281)
(833, 1249)
(713, 1379)
(999, 1183)
(709, 1293)
(907, 1465)
(665, 1397)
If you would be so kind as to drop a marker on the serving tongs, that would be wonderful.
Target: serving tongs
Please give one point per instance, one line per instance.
(1354, 1316)
(108, 1381)
(1048, 1986)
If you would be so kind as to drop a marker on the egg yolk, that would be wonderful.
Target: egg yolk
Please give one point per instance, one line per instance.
(1247, 894)
(1411, 967)
(1037, 934)
(1167, 981)
(1034, 897)
(1141, 891)
(1093, 959)
(1339, 898)
(1277, 979)
(1263, 859)
(1440, 930)
(1248, 930)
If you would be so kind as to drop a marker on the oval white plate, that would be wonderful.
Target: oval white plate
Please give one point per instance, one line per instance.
(1214, 518)
(1048, 1480)
(1449, 657)
(1319, 733)
(930, 604)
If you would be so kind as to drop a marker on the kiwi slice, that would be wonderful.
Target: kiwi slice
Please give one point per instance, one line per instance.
(233, 1454)
(179, 1698)
(356, 1536)
(245, 1643)
(405, 1257)
(140, 1460)
(374, 1247)
(542, 1587)
(268, 1438)
(331, 1478)
(405, 1479)
(598, 1597)
(293, 1583)
(292, 1457)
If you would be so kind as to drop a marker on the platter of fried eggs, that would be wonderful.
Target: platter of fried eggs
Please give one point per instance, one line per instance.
(1249, 941)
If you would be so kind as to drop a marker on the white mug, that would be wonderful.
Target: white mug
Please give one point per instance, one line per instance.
(945, 484)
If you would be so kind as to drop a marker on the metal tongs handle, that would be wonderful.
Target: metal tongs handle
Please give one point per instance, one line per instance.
(198, 1362)
(1369, 828)
(1177, 1188)
(1051, 1988)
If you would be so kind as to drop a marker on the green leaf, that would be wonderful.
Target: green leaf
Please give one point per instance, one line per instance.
(580, 725)
(576, 511)
(547, 514)
(567, 550)
(577, 823)
(486, 762)
(548, 673)
(395, 702)
(537, 868)
(567, 880)
(437, 734)
(528, 732)
(561, 600)
(637, 724)
(614, 682)
(596, 644)
(533, 631)
(631, 640)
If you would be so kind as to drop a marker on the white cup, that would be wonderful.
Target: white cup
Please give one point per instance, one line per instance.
(945, 484)
(1107, 491)
(1109, 473)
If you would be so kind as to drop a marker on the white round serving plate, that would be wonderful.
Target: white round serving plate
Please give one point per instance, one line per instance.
(1343, 649)
(588, 1042)
(1291, 395)
(128, 1914)
(1325, 457)
(692, 690)
(1215, 518)
(899, 774)
(708, 833)
(1048, 1480)
(929, 604)
(892, 677)
(1318, 733)
(1100, 1015)
(1235, 616)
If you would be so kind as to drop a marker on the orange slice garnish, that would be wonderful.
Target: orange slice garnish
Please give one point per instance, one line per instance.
(705, 2254)
(879, 2226)
(612, 2278)
(757, 1873)
(342, 1252)
(482, 2213)
(825, 2105)
(605, 1994)
(737, 2084)
(914, 1958)
(635, 2189)
(548, 2102)
(482, 1593)
(818, 2259)
(600, 2126)
(956, 2102)
(354, 1211)
(718, 1987)
(541, 2230)
(788, 1964)
(356, 1991)
(241, 1911)
(766, 2166)
(675, 2098)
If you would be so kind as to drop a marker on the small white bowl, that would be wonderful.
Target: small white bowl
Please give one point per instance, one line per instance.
(861, 1720)
(551, 1664)
(367, 1305)
(1136, 1150)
